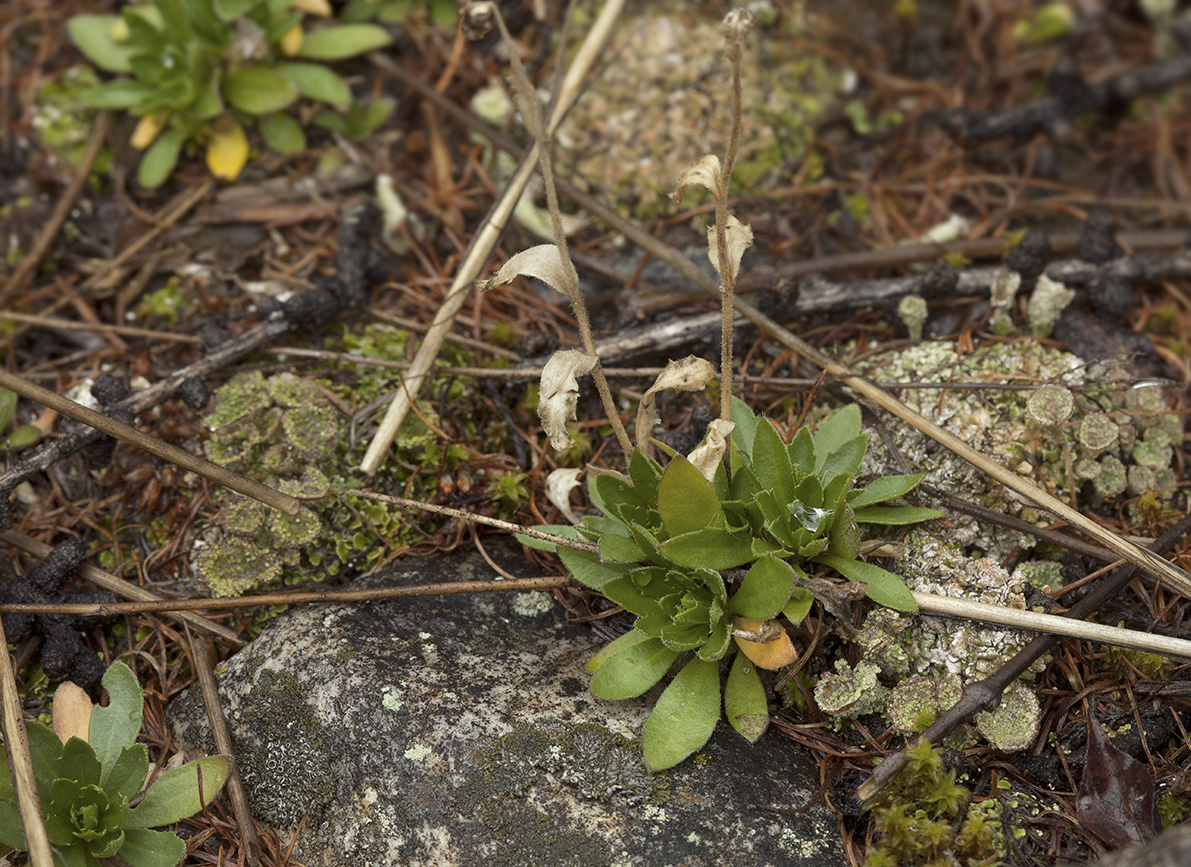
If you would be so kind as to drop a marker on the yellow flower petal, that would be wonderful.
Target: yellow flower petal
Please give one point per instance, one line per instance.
(147, 130)
(291, 42)
(770, 654)
(227, 151)
(312, 7)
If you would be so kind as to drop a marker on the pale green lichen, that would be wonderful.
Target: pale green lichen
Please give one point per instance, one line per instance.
(1050, 405)
(912, 310)
(1046, 305)
(915, 702)
(851, 691)
(1014, 724)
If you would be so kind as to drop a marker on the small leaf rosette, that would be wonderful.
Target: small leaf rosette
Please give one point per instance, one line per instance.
(712, 562)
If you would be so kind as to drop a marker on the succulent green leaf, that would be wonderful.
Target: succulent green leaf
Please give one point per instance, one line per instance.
(633, 671)
(315, 81)
(12, 833)
(708, 549)
(630, 639)
(23, 437)
(159, 160)
(92, 35)
(173, 18)
(346, 40)
(882, 587)
(686, 500)
(744, 700)
(895, 515)
(685, 715)
(717, 643)
(257, 90)
(230, 10)
(116, 94)
(764, 591)
(620, 549)
(282, 133)
(799, 605)
(746, 425)
(885, 488)
(115, 728)
(840, 427)
(617, 498)
(802, 450)
(145, 848)
(638, 591)
(645, 473)
(744, 485)
(589, 569)
(567, 531)
(45, 747)
(79, 763)
(771, 462)
(128, 774)
(847, 458)
(679, 637)
(179, 793)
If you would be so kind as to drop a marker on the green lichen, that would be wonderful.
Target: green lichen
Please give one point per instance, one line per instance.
(1014, 724)
(851, 691)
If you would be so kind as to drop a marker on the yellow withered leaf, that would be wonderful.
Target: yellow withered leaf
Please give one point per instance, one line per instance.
(770, 654)
(291, 42)
(71, 712)
(148, 129)
(227, 151)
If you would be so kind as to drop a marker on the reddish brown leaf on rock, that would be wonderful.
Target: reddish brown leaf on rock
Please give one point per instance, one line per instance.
(1116, 800)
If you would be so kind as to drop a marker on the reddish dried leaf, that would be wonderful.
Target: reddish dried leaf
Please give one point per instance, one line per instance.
(1116, 800)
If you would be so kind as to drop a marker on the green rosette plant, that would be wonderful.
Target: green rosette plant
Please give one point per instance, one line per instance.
(89, 771)
(204, 70)
(709, 566)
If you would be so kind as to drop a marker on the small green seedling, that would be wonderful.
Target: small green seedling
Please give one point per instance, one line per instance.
(90, 770)
(204, 70)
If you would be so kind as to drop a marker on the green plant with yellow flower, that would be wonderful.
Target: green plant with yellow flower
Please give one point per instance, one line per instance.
(205, 71)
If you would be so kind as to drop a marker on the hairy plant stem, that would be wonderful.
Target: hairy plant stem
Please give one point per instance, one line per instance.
(532, 115)
(727, 274)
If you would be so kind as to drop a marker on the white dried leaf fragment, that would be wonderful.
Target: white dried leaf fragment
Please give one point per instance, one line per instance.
(740, 238)
(559, 392)
(706, 458)
(544, 262)
(687, 374)
(705, 173)
(559, 485)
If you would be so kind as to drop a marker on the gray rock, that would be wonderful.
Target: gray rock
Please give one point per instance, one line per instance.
(459, 730)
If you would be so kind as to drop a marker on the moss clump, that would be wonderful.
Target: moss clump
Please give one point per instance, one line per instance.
(926, 817)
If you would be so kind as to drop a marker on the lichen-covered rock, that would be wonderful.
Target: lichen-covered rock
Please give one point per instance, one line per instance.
(459, 730)
(1079, 428)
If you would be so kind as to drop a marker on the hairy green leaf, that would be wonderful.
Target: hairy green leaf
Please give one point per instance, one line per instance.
(799, 605)
(179, 793)
(589, 569)
(282, 133)
(882, 587)
(685, 715)
(771, 462)
(633, 670)
(840, 427)
(345, 40)
(686, 500)
(630, 639)
(115, 727)
(257, 90)
(159, 160)
(746, 425)
(744, 700)
(708, 549)
(145, 848)
(764, 591)
(92, 35)
(895, 515)
(315, 81)
(885, 488)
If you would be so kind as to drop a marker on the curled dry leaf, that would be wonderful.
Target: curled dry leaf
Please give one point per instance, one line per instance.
(740, 238)
(706, 458)
(705, 173)
(771, 654)
(71, 712)
(559, 485)
(544, 262)
(559, 392)
(687, 374)
(1116, 799)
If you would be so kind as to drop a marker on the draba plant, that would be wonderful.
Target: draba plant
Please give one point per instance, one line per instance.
(711, 550)
(712, 566)
(89, 769)
(205, 70)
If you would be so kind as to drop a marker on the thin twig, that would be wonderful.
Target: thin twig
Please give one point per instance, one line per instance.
(117, 585)
(483, 242)
(20, 762)
(168, 451)
(223, 745)
(75, 325)
(296, 597)
(984, 694)
(49, 231)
